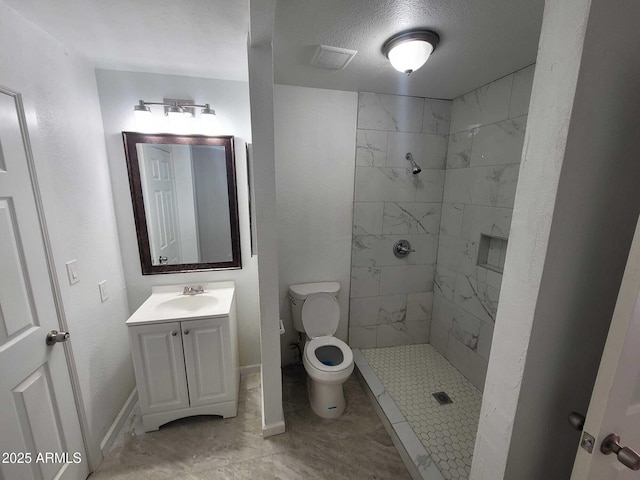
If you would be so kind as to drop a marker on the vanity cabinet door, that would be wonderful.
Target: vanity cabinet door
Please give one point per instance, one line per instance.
(158, 361)
(207, 354)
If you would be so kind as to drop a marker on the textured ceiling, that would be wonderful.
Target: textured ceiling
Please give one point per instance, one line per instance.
(480, 41)
(205, 38)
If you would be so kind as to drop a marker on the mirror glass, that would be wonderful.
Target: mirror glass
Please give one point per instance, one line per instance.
(184, 198)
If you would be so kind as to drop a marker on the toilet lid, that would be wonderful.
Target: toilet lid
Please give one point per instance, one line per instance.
(320, 315)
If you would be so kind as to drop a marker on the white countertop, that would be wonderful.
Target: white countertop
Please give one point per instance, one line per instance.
(158, 308)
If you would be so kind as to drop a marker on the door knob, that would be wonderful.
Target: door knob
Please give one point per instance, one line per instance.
(576, 420)
(163, 260)
(55, 336)
(627, 456)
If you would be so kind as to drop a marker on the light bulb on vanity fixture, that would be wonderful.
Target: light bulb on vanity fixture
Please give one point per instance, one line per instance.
(208, 120)
(408, 51)
(174, 111)
(143, 117)
(177, 118)
(179, 114)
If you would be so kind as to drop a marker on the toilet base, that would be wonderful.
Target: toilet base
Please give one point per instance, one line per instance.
(327, 400)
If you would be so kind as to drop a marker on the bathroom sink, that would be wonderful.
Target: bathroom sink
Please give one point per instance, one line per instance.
(187, 304)
(167, 303)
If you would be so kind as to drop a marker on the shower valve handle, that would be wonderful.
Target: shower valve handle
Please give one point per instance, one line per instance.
(402, 248)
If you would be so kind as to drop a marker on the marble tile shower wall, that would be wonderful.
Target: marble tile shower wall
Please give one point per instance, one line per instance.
(483, 160)
(392, 298)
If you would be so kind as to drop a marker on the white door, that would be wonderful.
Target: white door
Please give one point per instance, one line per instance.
(159, 191)
(158, 362)
(615, 401)
(37, 408)
(208, 360)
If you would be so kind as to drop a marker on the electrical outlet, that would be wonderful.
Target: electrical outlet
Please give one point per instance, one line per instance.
(102, 286)
(72, 271)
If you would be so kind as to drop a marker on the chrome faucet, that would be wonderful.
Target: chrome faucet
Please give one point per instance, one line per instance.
(191, 290)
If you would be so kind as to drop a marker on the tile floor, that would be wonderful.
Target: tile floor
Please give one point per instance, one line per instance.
(410, 375)
(356, 446)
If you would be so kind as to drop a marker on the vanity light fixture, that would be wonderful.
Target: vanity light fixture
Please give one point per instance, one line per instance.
(141, 107)
(408, 51)
(141, 112)
(208, 119)
(175, 110)
(207, 110)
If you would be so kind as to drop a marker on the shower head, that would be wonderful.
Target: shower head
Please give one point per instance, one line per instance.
(415, 167)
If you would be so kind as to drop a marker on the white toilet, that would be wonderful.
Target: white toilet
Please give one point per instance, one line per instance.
(327, 360)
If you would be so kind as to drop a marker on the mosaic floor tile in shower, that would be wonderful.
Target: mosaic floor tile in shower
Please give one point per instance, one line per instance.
(411, 374)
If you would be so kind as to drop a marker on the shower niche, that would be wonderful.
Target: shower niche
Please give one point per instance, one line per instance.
(492, 252)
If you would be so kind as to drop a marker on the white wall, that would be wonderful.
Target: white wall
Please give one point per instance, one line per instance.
(260, 54)
(64, 122)
(119, 91)
(575, 212)
(315, 142)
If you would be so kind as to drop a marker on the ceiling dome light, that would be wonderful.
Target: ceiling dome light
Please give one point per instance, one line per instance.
(408, 51)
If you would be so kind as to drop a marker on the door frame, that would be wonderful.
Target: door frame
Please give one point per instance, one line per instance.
(622, 330)
(94, 457)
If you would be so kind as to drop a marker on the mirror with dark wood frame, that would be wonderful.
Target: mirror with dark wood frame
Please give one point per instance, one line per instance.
(185, 204)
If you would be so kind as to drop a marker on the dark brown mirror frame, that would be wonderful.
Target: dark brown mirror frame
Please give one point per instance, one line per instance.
(135, 184)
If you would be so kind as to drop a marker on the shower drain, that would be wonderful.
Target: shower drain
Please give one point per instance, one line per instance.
(442, 398)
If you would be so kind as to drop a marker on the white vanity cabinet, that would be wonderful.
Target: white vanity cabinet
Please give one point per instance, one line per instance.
(158, 361)
(186, 363)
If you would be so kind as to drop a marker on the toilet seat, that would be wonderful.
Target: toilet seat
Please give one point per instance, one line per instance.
(316, 343)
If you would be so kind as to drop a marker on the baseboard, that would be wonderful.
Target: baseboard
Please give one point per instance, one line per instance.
(273, 429)
(247, 369)
(117, 424)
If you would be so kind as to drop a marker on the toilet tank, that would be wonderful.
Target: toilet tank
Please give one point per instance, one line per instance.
(298, 293)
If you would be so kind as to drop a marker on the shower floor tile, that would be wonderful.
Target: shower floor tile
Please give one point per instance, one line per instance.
(411, 374)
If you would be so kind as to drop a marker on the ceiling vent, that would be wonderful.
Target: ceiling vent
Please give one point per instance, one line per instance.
(332, 57)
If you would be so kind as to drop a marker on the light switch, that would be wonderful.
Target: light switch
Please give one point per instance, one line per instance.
(102, 286)
(72, 271)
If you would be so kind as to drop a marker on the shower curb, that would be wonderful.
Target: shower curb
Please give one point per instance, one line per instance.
(413, 454)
